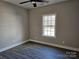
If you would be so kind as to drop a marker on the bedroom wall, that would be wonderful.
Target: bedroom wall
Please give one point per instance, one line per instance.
(13, 24)
(67, 23)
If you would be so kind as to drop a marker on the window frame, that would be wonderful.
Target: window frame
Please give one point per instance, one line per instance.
(54, 26)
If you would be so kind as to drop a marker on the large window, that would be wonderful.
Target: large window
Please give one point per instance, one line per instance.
(49, 25)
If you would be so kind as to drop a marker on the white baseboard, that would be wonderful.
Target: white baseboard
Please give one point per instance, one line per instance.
(14, 45)
(56, 45)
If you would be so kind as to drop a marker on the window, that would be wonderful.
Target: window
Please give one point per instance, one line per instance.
(49, 25)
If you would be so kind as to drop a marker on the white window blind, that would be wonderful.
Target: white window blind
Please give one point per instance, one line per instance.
(49, 25)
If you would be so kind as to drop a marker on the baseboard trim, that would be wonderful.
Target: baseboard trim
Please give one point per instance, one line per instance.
(46, 43)
(14, 45)
(56, 45)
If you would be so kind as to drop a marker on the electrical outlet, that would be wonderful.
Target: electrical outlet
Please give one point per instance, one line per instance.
(63, 42)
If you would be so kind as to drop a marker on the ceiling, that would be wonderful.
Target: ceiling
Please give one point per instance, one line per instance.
(29, 5)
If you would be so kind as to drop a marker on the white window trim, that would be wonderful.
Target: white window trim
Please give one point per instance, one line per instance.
(50, 29)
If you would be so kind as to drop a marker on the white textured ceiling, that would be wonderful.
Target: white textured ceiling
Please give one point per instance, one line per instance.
(29, 5)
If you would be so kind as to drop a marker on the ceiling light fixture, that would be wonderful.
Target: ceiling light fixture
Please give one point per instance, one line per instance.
(34, 2)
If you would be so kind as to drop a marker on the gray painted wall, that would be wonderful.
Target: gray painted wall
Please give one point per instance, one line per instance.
(13, 24)
(67, 23)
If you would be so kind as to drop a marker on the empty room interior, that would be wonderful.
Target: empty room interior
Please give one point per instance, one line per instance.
(39, 29)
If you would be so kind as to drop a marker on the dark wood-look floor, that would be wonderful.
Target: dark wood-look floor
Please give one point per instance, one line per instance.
(37, 51)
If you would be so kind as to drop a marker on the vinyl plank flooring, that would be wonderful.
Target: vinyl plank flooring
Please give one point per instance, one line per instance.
(38, 51)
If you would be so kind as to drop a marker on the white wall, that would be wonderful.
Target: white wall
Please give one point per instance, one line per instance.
(13, 24)
(67, 23)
